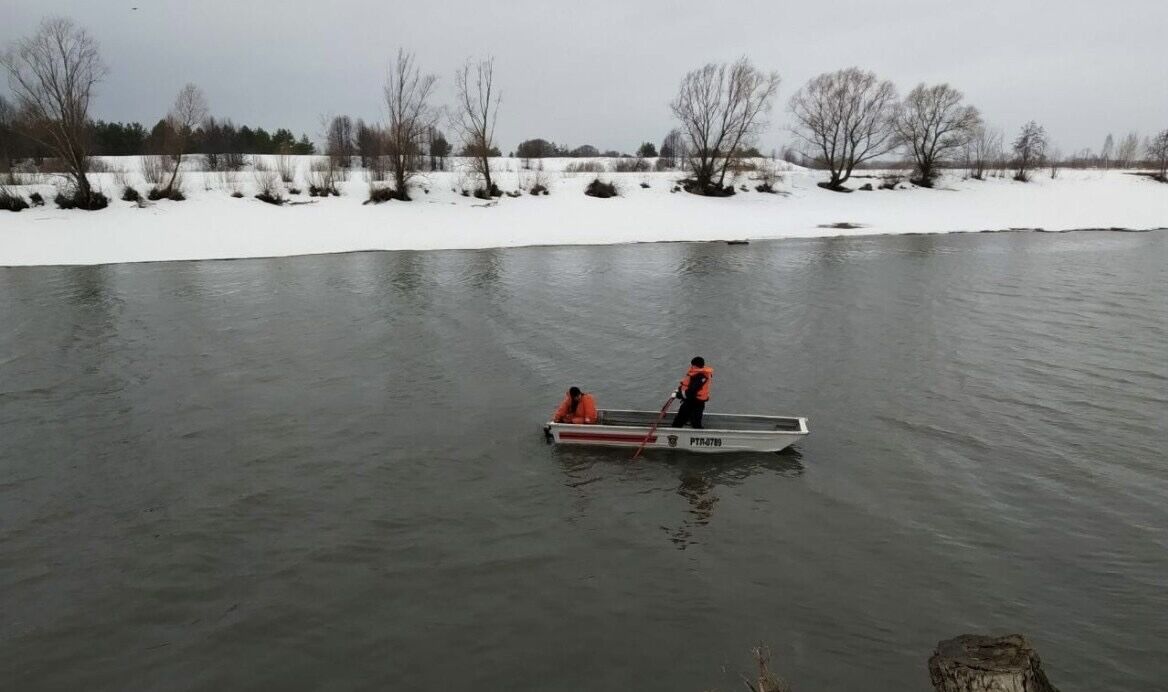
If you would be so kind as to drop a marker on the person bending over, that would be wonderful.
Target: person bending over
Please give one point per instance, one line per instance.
(577, 407)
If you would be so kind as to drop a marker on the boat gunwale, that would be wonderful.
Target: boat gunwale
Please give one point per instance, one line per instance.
(662, 431)
(803, 430)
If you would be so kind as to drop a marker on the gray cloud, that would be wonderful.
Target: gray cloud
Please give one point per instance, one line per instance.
(603, 72)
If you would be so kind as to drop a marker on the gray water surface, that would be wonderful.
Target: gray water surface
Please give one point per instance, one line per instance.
(327, 472)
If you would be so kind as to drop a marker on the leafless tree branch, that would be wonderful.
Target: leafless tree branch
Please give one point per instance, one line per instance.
(1029, 149)
(845, 119)
(721, 108)
(407, 98)
(933, 124)
(189, 110)
(475, 114)
(52, 75)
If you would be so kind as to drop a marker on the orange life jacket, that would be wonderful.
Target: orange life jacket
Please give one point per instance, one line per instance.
(584, 413)
(703, 388)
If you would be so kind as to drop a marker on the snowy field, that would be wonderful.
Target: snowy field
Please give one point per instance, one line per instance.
(213, 224)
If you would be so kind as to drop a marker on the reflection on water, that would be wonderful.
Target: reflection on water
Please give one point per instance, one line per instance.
(485, 268)
(714, 258)
(406, 272)
(697, 478)
(698, 492)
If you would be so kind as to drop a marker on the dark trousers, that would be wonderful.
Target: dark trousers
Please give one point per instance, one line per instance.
(690, 412)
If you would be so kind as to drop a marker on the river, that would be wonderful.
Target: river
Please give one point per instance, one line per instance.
(327, 472)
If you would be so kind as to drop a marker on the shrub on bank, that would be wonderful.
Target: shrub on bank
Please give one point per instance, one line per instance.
(711, 190)
(484, 193)
(73, 200)
(767, 176)
(631, 166)
(12, 201)
(129, 194)
(174, 194)
(385, 193)
(323, 191)
(584, 167)
(601, 189)
(272, 196)
(36, 200)
(268, 188)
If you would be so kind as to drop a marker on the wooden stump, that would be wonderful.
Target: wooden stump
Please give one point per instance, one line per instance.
(974, 663)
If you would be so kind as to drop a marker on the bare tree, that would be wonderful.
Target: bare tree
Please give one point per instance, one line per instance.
(154, 169)
(1157, 152)
(7, 116)
(370, 144)
(475, 115)
(323, 175)
(674, 148)
(1107, 151)
(1055, 160)
(1029, 150)
(845, 119)
(407, 98)
(438, 149)
(1125, 153)
(286, 166)
(983, 150)
(267, 183)
(52, 75)
(721, 107)
(933, 124)
(339, 140)
(190, 109)
(229, 182)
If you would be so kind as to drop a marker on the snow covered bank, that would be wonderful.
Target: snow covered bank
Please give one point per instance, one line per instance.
(212, 224)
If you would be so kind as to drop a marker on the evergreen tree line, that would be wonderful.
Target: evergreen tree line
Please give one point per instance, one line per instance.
(212, 138)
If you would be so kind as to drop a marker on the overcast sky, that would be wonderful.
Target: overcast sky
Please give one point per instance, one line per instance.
(602, 73)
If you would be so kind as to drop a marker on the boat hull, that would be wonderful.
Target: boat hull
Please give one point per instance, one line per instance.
(732, 434)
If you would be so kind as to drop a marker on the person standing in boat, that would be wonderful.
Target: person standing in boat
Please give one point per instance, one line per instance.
(577, 407)
(694, 392)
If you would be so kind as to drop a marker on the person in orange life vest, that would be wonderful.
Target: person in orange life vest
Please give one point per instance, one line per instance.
(577, 407)
(694, 392)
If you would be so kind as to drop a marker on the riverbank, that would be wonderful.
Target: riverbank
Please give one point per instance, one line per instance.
(211, 224)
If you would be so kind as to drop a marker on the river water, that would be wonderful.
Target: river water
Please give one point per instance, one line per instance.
(327, 472)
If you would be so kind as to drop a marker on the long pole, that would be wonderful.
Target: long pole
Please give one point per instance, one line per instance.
(668, 403)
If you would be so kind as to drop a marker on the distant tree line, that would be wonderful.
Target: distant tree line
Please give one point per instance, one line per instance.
(132, 139)
(544, 149)
(843, 120)
(540, 148)
(212, 136)
(347, 140)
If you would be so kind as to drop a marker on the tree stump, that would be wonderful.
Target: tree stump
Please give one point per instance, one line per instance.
(974, 663)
